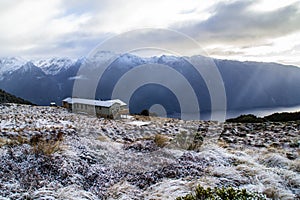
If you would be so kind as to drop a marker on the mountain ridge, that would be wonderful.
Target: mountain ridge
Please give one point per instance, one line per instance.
(247, 84)
(59, 63)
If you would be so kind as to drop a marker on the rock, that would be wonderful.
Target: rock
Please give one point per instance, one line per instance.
(241, 134)
(202, 129)
(259, 144)
(291, 155)
(275, 144)
(142, 146)
(127, 139)
(226, 133)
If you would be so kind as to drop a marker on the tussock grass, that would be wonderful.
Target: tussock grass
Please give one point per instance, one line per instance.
(274, 160)
(161, 140)
(103, 138)
(39, 144)
(190, 141)
(295, 166)
(19, 140)
(46, 147)
(2, 142)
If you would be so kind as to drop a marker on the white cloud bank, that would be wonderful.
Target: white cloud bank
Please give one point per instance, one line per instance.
(261, 30)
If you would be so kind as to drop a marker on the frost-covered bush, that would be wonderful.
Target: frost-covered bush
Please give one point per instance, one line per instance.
(229, 193)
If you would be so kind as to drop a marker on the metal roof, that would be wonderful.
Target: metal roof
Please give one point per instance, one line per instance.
(122, 103)
(92, 102)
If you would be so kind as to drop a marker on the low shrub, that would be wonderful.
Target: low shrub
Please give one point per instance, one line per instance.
(229, 193)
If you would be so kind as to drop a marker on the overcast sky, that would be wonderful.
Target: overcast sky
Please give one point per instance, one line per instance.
(260, 30)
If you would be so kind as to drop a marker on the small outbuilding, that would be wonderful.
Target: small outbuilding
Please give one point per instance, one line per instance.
(53, 104)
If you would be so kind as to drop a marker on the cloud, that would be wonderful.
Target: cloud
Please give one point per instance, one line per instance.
(34, 28)
(31, 26)
(236, 22)
(38, 28)
(238, 30)
(80, 77)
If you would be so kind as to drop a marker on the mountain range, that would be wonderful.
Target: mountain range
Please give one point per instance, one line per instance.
(247, 85)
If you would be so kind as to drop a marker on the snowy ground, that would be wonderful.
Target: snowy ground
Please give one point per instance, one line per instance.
(124, 159)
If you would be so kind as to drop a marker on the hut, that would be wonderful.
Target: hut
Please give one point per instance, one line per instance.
(106, 109)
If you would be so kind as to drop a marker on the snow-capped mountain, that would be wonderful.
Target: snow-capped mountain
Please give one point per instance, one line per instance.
(248, 85)
(10, 64)
(50, 66)
(54, 66)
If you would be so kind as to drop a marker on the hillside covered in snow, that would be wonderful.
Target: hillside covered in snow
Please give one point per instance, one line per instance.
(49, 153)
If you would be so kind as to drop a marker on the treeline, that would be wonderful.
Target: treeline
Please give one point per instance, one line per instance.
(276, 117)
(9, 98)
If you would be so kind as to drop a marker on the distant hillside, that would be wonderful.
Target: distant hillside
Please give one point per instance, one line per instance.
(9, 98)
(276, 117)
(250, 118)
(283, 117)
